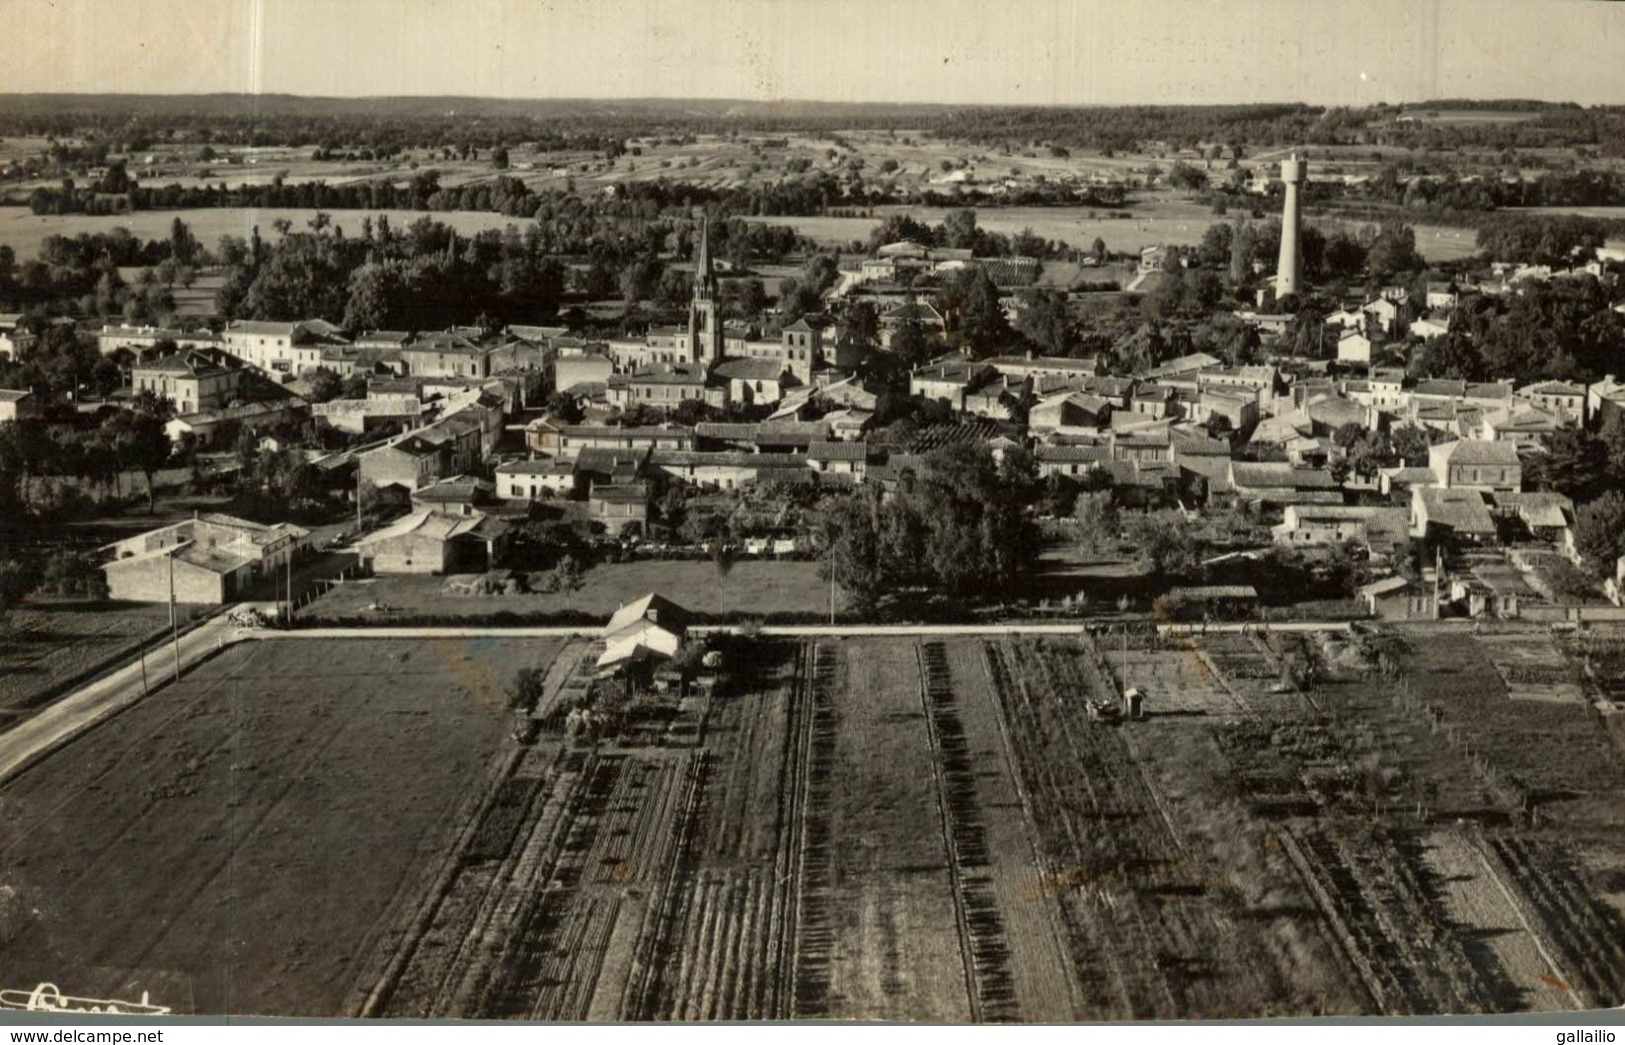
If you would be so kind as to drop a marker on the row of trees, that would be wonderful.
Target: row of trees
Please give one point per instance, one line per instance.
(126, 440)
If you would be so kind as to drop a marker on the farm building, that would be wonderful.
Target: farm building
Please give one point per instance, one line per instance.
(216, 558)
(1395, 598)
(651, 628)
(189, 572)
(427, 541)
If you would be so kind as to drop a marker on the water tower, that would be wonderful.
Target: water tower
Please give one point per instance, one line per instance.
(1289, 269)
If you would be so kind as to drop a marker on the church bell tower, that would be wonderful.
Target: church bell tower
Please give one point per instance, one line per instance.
(704, 322)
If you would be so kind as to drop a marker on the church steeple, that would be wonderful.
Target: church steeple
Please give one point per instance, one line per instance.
(702, 260)
(704, 323)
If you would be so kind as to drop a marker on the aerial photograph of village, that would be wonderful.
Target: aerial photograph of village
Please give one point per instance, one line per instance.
(492, 535)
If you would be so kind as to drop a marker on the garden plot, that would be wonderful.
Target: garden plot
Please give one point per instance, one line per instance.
(1534, 668)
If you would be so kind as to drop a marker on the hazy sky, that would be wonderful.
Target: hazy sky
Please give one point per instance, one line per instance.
(1022, 51)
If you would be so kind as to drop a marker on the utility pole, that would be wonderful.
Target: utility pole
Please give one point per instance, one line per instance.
(290, 585)
(174, 631)
(832, 593)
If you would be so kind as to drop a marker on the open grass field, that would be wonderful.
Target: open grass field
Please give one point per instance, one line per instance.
(237, 843)
(47, 645)
(1158, 221)
(756, 587)
(22, 230)
(893, 828)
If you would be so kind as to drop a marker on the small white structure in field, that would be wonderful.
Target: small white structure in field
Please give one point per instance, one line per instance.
(651, 628)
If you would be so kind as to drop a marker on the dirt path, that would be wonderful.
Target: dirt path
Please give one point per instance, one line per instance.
(1040, 971)
(1480, 903)
(896, 951)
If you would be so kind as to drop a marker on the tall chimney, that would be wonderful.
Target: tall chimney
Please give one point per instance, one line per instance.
(1289, 269)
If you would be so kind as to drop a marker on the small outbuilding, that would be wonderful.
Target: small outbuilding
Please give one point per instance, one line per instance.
(640, 633)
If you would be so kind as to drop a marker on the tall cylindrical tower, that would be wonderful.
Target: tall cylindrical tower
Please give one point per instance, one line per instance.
(1289, 269)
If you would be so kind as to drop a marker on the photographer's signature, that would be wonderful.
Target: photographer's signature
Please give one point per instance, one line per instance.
(48, 997)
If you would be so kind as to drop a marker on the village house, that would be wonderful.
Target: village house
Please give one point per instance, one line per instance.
(356, 416)
(1545, 514)
(139, 340)
(1562, 398)
(1475, 464)
(755, 381)
(1033, 365)
(573, 439)
(18, 405)
(1525, 427)
(455, 495)
(1604, 398)
(1069, 412)
(447, 354)
(15, 339)
(1277, 484)
(668, 385)
(1382, 390)
(895, 319)
(211, 427)
(802, 347)
(1380, 531)
(618, 506)
(1142, 447)
(715, 469)
(1384, 314)
(1441, 296)
(949, 378)
(281, 350)
(1238, 408)
(1440, 513)
(849, 425)
(1428, 329)
(190, 381)
(830, 458)
(1347, 319)
(1070, 461)
(538, 477)
(1396, 598)
(1354, 347)
(408, 462)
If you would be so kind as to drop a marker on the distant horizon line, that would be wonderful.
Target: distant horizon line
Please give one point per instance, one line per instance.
(770, 102)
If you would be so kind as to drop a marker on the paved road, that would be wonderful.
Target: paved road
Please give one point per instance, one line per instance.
(84, 707)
